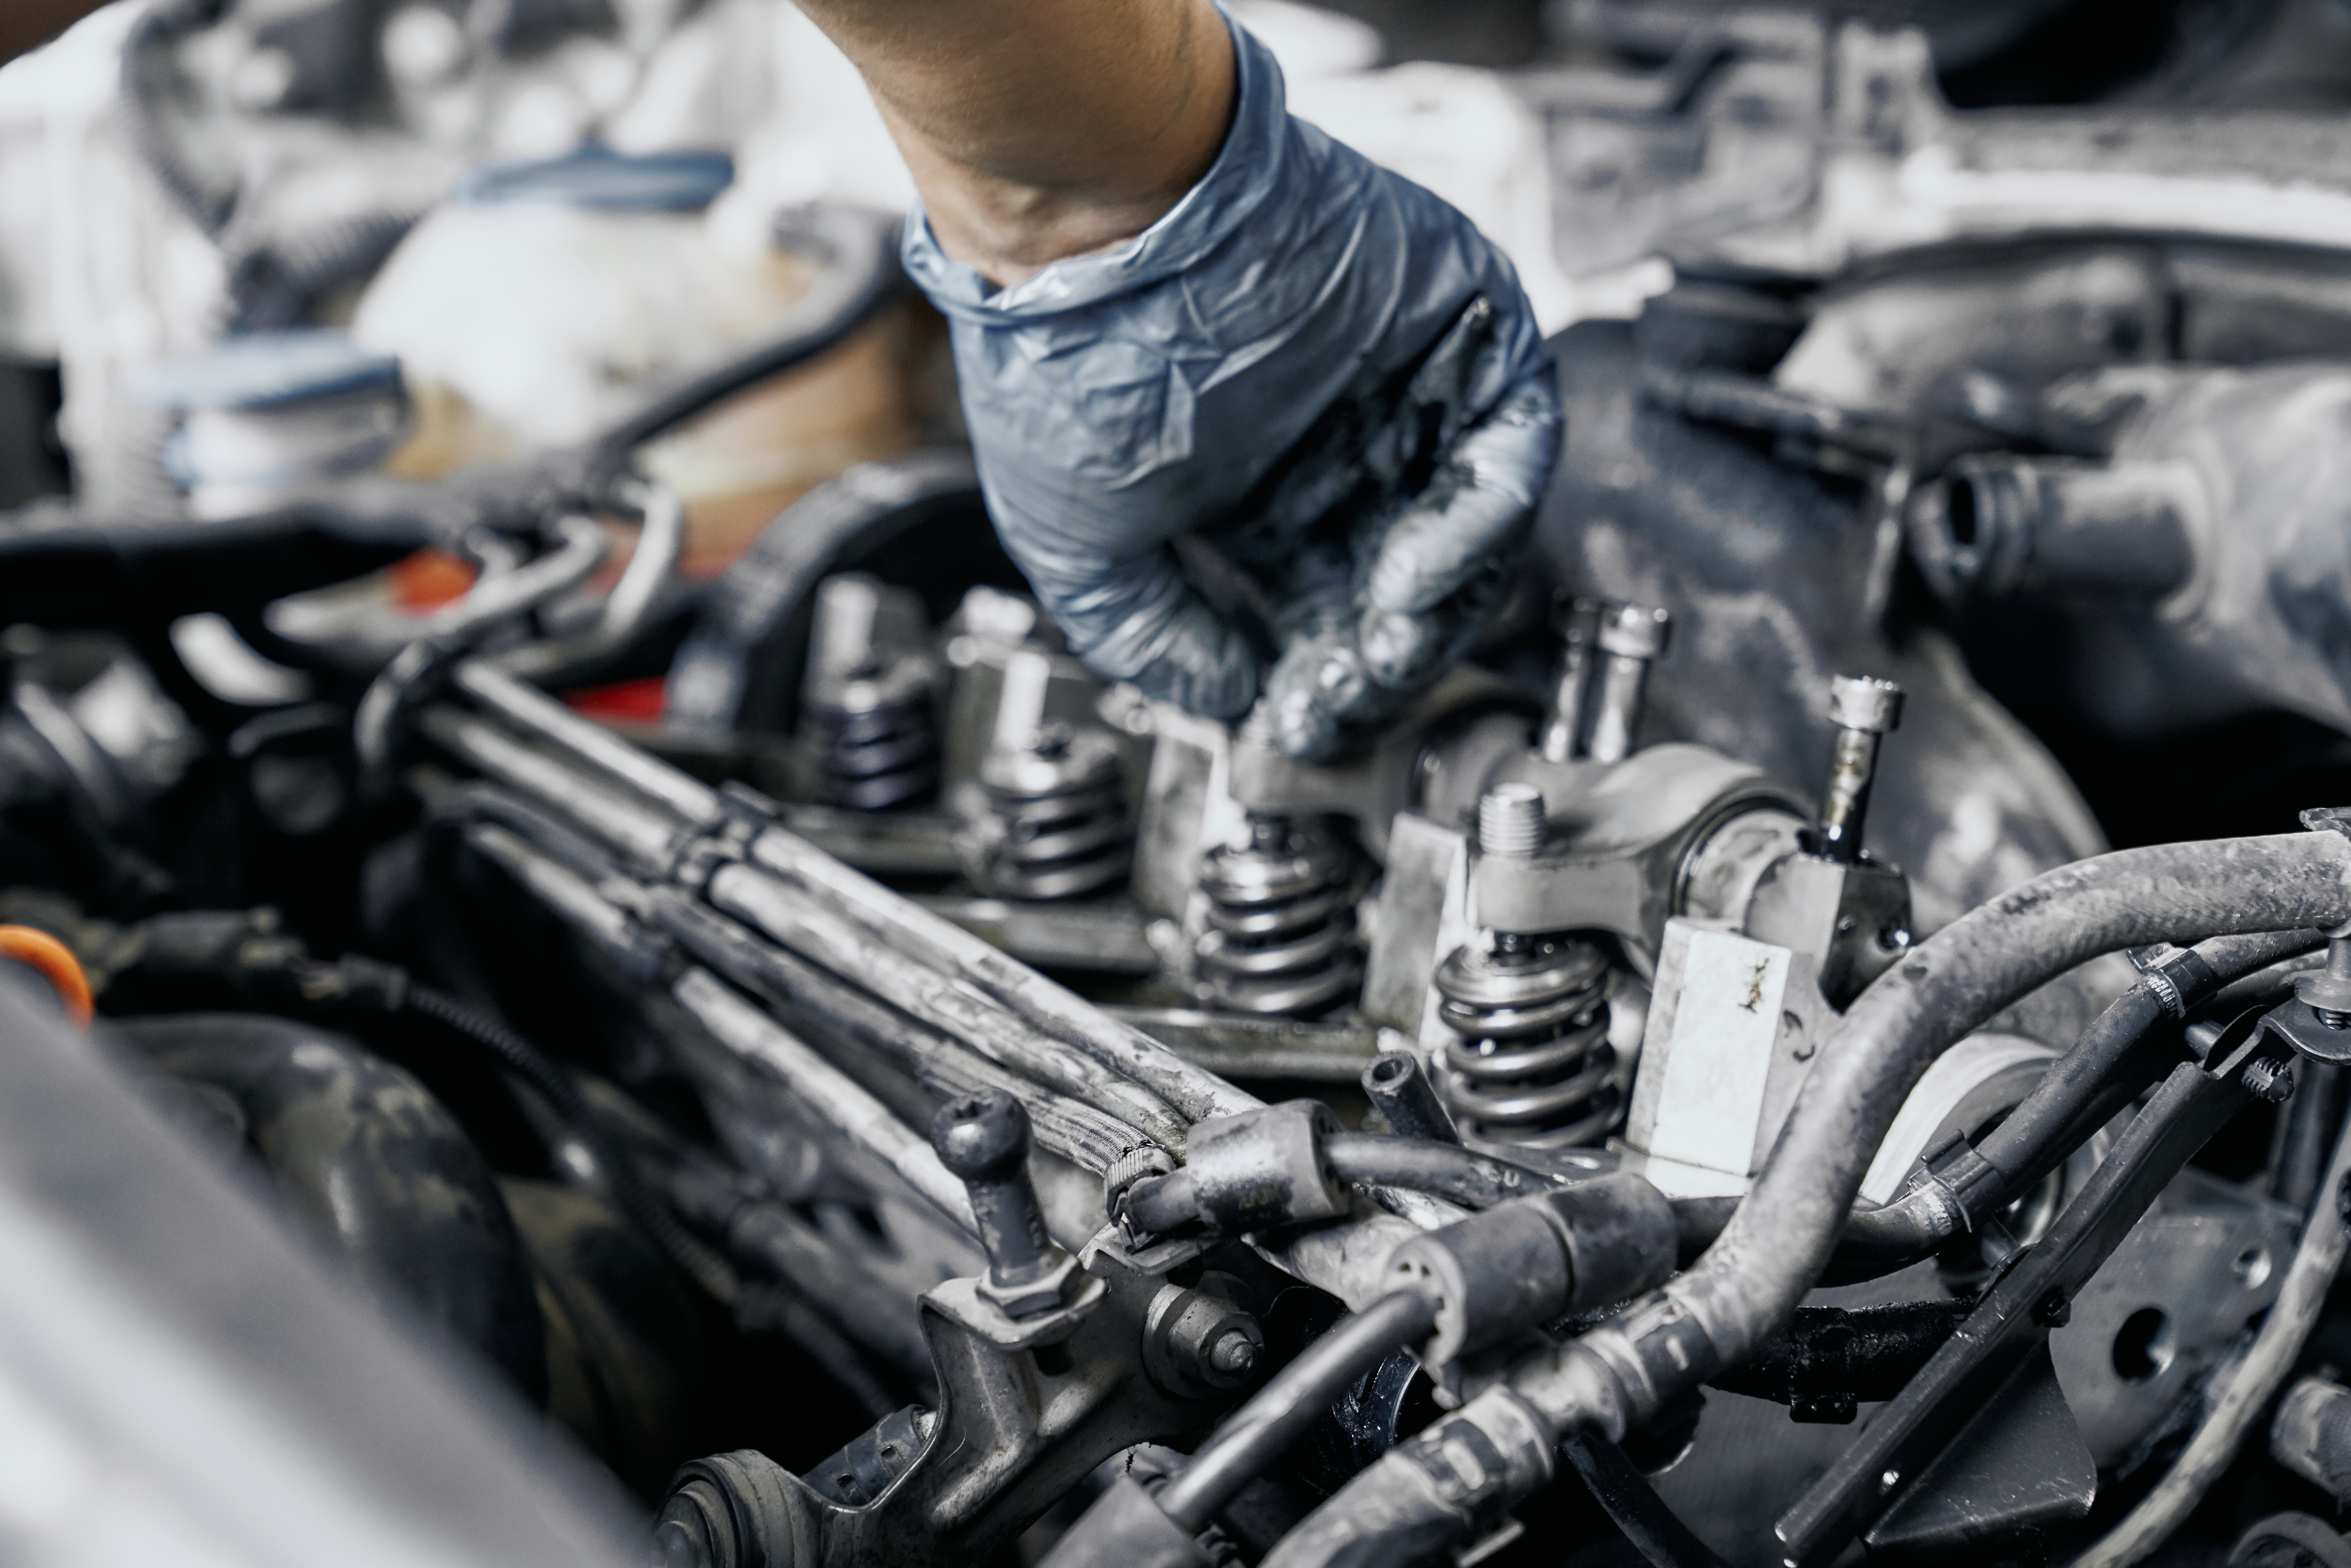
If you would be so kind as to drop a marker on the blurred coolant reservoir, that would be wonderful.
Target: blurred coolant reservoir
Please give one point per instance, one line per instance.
(545, 301)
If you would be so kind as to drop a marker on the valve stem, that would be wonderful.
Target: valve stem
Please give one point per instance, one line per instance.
(1631, 636)
(1865, 710)
(1562, 737)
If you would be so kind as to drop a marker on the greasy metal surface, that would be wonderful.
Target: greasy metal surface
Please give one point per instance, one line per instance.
(1770, 575)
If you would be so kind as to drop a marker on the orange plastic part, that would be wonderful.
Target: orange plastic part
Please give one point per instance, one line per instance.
(423, 582)
(57, 964)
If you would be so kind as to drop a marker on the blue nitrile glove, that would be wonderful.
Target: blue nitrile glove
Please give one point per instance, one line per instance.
(1311, 363)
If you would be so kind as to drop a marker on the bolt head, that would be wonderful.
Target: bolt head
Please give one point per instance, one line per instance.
(1861, 702)
(981, 1137)
(1634, 631)
(1234, 1355)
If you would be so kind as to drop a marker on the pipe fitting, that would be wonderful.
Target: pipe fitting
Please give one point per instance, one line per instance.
(1449, 1485)
(1522, 1264)
(1247, 1172)
(2003, 525)
(1398, 1088)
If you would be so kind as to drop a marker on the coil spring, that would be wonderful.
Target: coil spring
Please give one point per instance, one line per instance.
(1529, 1061)
(877, 744)
(1281, 936)
(1057, 826)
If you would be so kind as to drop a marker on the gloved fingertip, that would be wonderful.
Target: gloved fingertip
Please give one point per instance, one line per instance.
(1398, 649)
(1316, 686)
(1302, 730)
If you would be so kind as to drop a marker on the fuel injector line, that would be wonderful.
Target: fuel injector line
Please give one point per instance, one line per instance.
(560, 875)
(1381, 1161)
(652, 817)
(829, 888)
(1411, 1502)
(747, 892)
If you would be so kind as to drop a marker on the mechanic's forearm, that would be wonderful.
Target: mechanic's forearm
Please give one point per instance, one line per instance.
(1041, 129)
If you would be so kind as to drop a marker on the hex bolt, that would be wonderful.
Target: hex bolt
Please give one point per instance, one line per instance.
(983, 1138)
(1630, 637)
(1864, 711)
(1201, 1338)
(2328, 992)
(1399, 1089)
(1562, 736)
(1510, 821)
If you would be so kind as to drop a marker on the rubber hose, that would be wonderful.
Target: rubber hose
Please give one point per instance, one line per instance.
(863, 274)
(1749, 1280)
(1422, 1164)
(2033, 1138)
(1746, 1286)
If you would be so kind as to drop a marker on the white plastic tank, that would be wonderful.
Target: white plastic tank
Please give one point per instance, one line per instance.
(545, 300)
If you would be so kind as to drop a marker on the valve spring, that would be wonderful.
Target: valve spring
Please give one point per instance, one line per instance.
(1281, 936)
(877, 744)
(1529, 1061)
(1057, 821)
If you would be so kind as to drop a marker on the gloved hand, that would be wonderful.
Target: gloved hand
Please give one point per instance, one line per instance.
(1310, 363)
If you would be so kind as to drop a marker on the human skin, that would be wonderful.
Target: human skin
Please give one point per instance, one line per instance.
(1042, 128)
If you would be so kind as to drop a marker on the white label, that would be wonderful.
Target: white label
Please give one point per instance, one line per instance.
(1726, 1023)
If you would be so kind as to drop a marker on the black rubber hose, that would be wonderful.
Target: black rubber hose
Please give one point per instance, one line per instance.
(1747, 1285)
(629, 1193)
(61, 568)
(1424, 1165)
(1777, 1244)
(1625, 1494)
(1279, 1414)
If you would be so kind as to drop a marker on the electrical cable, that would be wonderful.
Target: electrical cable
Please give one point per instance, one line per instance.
(628, 1191)
(1633, 1505)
